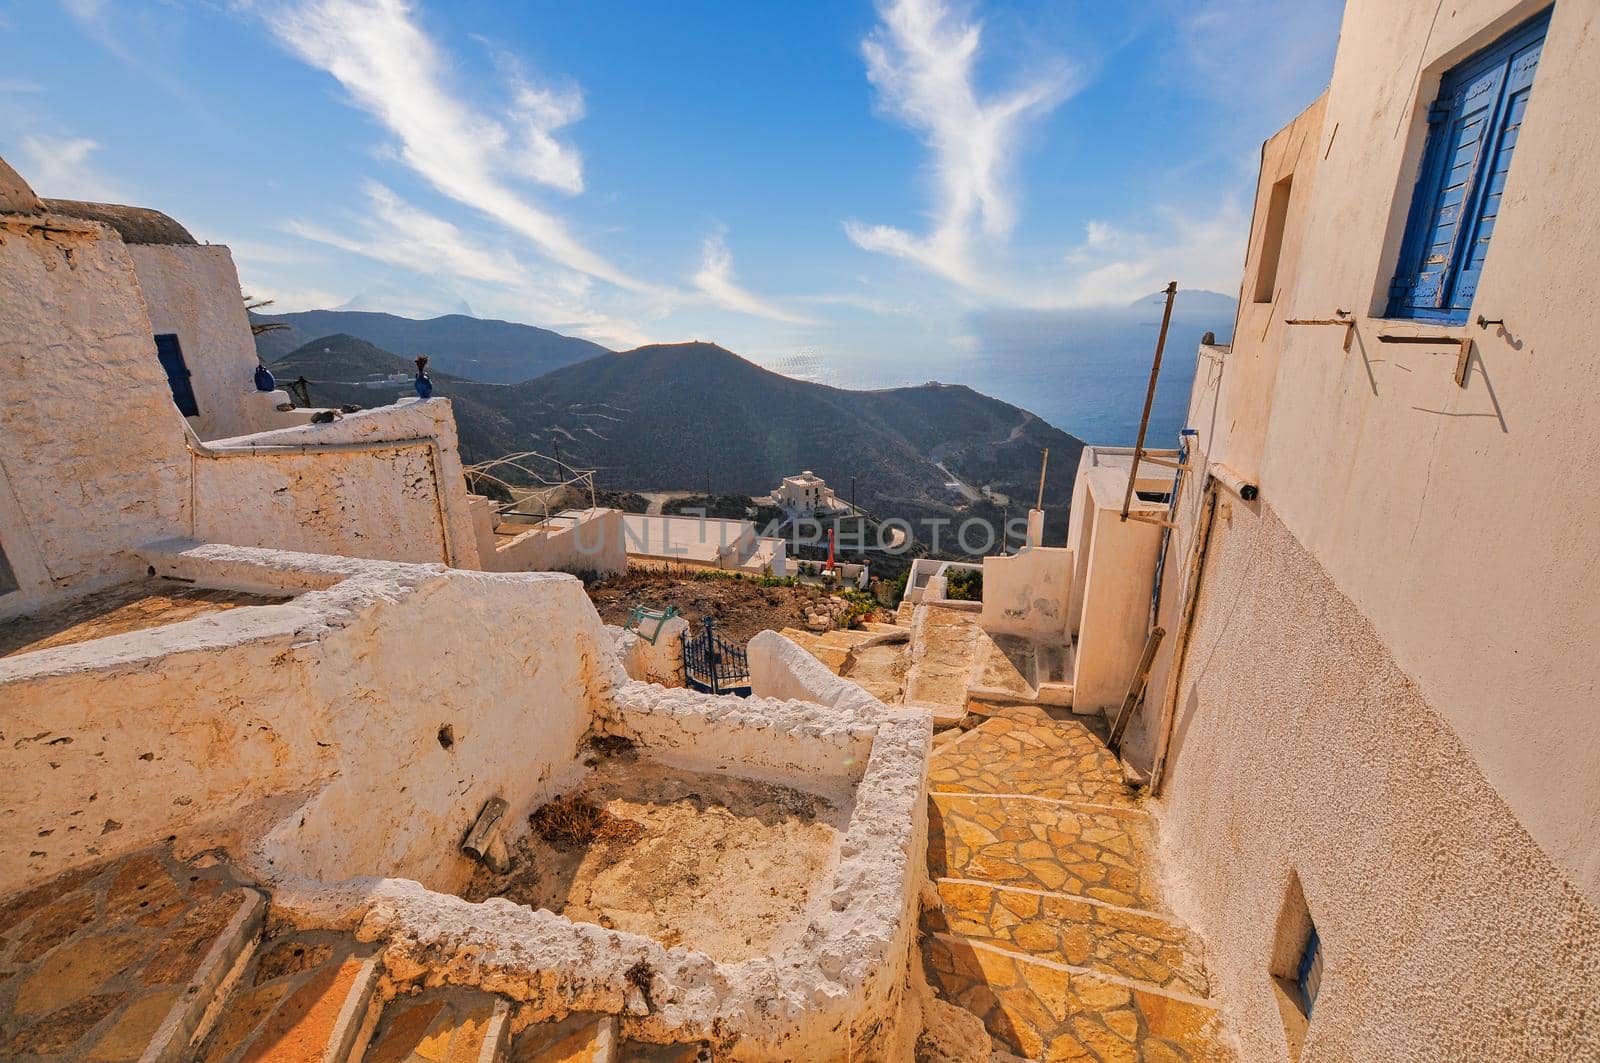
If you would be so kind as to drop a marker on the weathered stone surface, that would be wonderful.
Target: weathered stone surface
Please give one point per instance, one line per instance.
(1048, 918)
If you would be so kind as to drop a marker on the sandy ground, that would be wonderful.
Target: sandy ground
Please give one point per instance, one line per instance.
(129, 607)
(710, 861)
(742, 608)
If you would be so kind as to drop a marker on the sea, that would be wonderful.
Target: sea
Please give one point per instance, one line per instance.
(1085, 372)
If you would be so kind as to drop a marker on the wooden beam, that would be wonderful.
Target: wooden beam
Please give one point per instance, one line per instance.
(1141, 677)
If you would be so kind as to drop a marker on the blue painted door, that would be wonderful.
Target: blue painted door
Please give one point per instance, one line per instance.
(178, 376)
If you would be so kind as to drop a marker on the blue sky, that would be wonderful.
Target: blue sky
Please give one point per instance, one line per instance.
(847, 180)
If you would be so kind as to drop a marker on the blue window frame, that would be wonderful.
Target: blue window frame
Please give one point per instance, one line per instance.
(1472, 133)
(178, 375)
(1308, 975)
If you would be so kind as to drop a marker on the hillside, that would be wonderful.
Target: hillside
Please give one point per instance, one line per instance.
(695, 416)
(496, 352)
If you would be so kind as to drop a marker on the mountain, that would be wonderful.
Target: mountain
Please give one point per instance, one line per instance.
(497, 352)
(694, 416)
(340, 357)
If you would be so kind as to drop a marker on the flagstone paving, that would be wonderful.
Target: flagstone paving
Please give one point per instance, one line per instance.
(1086, 851)
(1050, 927)
(1022, 749)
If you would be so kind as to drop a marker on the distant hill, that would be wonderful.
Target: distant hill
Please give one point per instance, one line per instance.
(694, 416)
(342, 358)
(496, 352)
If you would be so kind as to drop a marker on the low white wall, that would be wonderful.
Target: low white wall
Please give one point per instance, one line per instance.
(779, 668)
(660, 661)
(835, 992)
(693, 540)
(344, 690)
(1028, 593)
(384, 484)
(576, 541)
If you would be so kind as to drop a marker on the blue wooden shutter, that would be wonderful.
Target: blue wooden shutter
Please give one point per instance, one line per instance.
(1519, 86)
(171, 356)
(1472, 133)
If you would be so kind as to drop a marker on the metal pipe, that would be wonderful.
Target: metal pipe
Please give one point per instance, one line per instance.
(1149, 397)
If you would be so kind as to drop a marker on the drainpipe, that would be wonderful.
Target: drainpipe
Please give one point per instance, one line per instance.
(1180, 647)
(200, 449)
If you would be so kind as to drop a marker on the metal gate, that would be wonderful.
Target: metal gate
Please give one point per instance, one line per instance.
(714, 665)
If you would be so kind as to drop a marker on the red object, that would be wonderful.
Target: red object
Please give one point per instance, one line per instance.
(830, 549)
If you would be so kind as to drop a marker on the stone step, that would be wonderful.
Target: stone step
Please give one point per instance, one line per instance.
(304, 998)
(1045, 1010)
(1021, 749)
(440, 1025)
(581, 1038)
(121, 961)
(1107, 939)
(1098, 852)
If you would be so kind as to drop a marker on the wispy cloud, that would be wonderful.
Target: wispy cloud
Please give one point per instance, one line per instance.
(403, 235)
(716, 280)
(1112, 266)
(59, 168)
(922, 60)
(392, 69)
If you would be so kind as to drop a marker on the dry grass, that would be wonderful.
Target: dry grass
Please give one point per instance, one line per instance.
(570, 822)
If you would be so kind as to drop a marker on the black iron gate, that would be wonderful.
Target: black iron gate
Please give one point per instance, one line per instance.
(714, 665)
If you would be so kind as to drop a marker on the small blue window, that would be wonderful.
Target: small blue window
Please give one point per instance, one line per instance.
(178, 375)
(1472, 133)
(1308, 975)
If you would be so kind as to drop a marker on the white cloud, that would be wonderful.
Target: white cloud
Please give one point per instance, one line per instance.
(59, 168)
(394, 71)
(400, 234)
(716, 280)
(922, 61)
(1116, 267)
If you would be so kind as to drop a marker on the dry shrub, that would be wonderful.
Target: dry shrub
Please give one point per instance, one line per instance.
(570, 822)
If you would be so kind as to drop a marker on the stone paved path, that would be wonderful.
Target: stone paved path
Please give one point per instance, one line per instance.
(1050, 926)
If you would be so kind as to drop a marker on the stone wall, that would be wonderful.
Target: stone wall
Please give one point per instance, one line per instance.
(1302, 749)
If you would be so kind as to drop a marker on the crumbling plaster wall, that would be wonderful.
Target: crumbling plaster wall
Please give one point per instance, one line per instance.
(1453, 517)
(1448, 933)
(1028, 593)
(91, 447)
(384, 484)
(123, 741)
(193, 292)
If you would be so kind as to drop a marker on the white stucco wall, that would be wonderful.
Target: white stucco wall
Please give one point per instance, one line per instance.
(193, 292)
(338, 695)
(91, 447)
(383, 483)
(1448, 932)
(587, 540)
(1115, 615)
(1453, 517)
(1028, 593)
